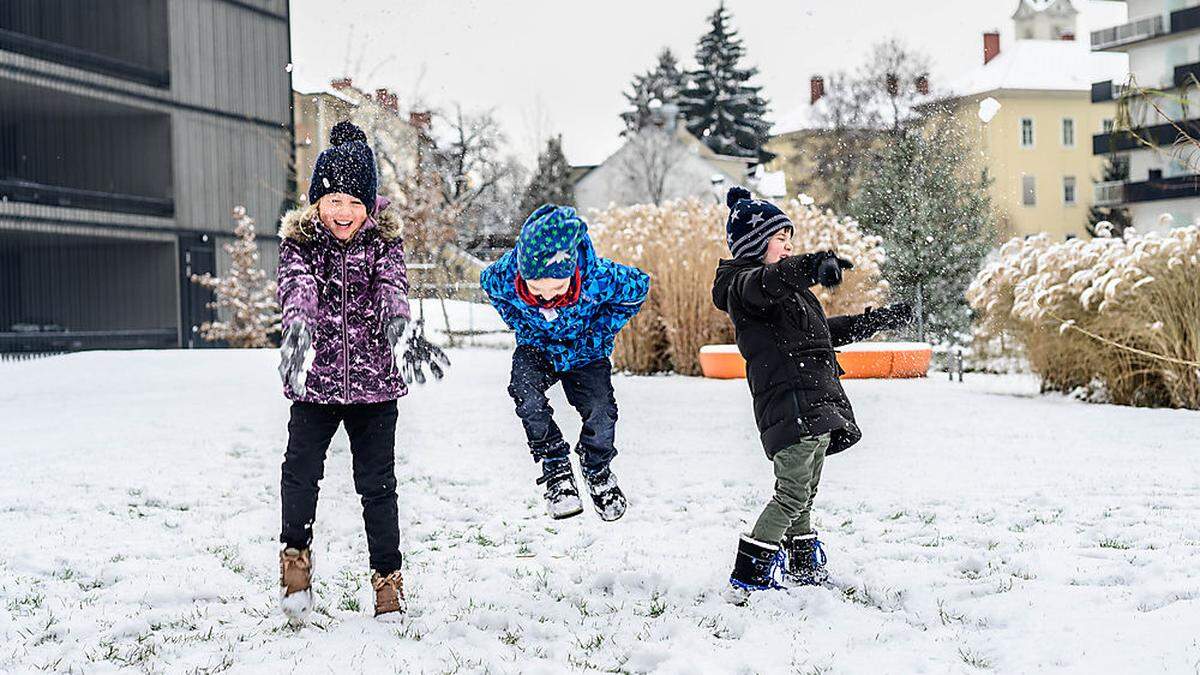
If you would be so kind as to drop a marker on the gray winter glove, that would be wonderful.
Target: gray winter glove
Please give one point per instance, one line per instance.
(292, 351)
(419, 352)
(395, 330)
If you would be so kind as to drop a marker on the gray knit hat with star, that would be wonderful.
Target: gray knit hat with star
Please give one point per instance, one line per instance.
(752, 223)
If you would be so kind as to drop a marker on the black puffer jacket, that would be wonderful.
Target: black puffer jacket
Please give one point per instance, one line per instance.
(788, 345)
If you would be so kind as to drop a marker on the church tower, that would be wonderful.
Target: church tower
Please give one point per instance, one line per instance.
(1045, 20)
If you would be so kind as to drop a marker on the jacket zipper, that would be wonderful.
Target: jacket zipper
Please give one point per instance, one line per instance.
(345, 334)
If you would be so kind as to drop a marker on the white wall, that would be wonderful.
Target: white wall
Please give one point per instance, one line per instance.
(1146, 214)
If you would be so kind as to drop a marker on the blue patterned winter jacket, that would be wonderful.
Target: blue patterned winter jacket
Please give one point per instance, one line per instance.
(610, 295)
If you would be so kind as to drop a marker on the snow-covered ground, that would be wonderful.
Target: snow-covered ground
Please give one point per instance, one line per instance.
(977, 527)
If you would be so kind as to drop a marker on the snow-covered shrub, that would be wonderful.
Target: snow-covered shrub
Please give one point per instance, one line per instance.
(1120, 315)
(245, 296)
(679, 244)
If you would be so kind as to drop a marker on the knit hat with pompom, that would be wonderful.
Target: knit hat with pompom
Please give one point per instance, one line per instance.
(347, 166)
(751, 224)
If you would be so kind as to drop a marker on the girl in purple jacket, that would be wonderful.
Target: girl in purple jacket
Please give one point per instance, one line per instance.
(344, 294)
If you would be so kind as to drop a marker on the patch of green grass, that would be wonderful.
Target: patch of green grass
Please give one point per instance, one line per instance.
(974, 659)
(1109, 542)
(658, 606)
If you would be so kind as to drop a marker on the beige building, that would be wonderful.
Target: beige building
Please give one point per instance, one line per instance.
(394, 138)
(1036, 146)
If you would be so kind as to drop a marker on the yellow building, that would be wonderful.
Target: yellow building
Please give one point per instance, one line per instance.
(1036, 146)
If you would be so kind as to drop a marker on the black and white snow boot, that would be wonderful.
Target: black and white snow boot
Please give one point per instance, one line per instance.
(606, 495)
(757, 568)
(805, 561)
(562, 497)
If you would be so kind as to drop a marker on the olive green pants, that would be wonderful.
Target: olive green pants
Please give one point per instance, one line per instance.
(797, 474)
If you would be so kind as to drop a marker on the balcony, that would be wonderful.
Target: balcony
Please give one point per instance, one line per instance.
(1108, 91)
(1157, 189)
(1186, 74)
(127, 39)
(68, 150)
(1162, 135)
(1185, 19)
(1134, 31)
(1110, 193)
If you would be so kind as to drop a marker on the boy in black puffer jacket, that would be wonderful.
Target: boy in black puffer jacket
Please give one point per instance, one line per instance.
(799, 404)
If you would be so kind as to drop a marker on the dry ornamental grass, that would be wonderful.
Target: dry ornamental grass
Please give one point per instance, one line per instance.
(1119, 317)
(679, 244)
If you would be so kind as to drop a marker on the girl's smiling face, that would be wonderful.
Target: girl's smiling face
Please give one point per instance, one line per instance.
(342, 214)
(779, 246)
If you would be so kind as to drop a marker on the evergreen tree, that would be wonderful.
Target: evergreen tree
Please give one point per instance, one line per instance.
(246, 296)
(551, 183)
(663, 83)
(719, 105)
(1115, 168)
(935, 220)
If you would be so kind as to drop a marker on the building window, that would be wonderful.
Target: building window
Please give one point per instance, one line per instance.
(1026, 132)
(1109, 125)
(1028, 191)
(1069, 190)
(1068, 132)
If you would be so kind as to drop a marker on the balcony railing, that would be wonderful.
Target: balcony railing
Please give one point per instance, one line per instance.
(1185, 19)
(53, 195)
(1109, 193)
(1186, 74)
(1179, 187)
(1159, 135)
(1134, 31)
(80, 58)
(1109, 91)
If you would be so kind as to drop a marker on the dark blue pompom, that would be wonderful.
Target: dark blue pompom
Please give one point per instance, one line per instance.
(735, 193)
(345, 132)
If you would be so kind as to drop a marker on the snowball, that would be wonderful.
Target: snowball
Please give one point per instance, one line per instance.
(988, 108)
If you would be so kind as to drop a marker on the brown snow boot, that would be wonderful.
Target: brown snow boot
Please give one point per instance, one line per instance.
(295, 583)
(389, 593)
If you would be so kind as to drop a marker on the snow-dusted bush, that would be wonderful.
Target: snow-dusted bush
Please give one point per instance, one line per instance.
(679, 244)
(1118, 315)
(245, 297)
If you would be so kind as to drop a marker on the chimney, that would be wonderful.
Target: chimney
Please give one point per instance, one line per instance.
(342, 83)
(816, 89)
(420, 120)
(923, 85)
(991, 46)
(387, 100)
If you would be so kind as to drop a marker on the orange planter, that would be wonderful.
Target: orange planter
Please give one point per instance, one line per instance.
(859, 360)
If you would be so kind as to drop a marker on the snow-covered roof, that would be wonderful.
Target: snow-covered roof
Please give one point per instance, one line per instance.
(1042, 65)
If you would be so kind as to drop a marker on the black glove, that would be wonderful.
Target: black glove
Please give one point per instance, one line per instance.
(292, 350)
(418, 352)
(803, 271)
(891, 317)
(829, 271)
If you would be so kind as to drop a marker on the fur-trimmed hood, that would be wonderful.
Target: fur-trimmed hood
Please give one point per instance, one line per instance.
(300, 223)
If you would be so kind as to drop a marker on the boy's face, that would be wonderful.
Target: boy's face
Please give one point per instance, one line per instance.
(342, 214)
(548, 289)
(779, 246)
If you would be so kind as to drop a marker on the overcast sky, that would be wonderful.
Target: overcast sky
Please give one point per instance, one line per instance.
(560, 66)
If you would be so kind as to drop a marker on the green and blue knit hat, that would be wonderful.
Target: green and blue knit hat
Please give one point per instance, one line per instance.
(548, 246)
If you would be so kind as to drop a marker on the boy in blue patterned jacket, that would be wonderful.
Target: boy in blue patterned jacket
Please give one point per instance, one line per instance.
(566, 305)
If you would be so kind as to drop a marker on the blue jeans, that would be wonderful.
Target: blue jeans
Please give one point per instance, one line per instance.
(588, 389)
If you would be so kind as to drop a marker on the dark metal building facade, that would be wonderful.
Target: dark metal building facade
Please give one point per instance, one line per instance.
(128, 131)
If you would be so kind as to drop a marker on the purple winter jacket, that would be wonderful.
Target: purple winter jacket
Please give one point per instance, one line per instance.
(346, 293)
